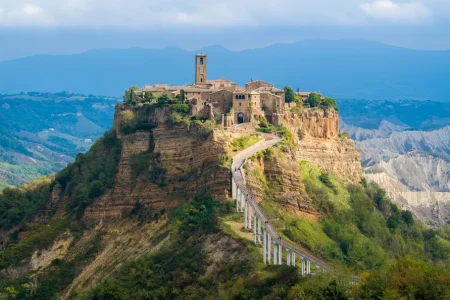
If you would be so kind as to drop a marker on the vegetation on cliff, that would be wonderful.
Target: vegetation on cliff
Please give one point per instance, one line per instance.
(91, 174)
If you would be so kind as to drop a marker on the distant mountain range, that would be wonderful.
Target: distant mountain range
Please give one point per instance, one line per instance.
(341, 69)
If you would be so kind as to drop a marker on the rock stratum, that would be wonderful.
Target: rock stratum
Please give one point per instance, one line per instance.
(181, 160)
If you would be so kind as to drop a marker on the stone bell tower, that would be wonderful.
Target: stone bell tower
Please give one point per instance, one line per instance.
(200, 68)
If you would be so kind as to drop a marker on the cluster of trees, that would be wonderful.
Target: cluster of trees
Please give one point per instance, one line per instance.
(372, 229)
(130, 97)
(314, 100)
(21, 205)
(91, 173)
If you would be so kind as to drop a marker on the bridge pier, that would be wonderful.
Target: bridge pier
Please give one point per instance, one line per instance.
(265, 245)
(238, 192)
(280, 254)
(255, 219)
(259, 230)
(275, 253)
(303, 267)
(269, 245)
(246, 215)
(250, 213)
(288, 257)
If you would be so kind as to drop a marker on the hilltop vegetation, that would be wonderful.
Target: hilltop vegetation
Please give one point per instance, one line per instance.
(41, 133)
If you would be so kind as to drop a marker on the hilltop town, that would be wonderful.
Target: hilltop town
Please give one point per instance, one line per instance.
(228, 103)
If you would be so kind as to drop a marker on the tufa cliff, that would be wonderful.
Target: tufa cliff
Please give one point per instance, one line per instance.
(163, 159)
(315, 139)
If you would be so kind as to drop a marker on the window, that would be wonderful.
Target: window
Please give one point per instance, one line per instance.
(201, 60)
(237, 96)
(240, 103)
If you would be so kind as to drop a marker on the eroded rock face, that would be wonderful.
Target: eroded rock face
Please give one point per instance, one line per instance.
(281, 175)
(317, 139)
(417, 182)
(180, 163)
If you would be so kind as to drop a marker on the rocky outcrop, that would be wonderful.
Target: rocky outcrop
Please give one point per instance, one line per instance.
(318, 141)
(181, 162)
(280, 174)
(164, 161)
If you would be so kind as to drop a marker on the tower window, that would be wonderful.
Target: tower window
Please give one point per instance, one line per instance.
(201, 60)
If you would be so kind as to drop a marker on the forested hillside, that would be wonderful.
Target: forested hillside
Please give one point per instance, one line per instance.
(41, 133)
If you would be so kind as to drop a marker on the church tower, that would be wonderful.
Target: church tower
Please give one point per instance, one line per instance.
(200, 68)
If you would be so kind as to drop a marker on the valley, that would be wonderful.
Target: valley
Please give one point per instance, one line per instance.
(41, 133)
(408, 153)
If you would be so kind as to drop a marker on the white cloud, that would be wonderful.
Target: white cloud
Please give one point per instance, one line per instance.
(397, 11)
(32, 9)
(208, 13)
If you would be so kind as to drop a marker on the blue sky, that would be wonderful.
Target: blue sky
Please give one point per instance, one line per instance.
(30, 27)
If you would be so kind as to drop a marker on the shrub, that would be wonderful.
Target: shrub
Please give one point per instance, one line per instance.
(96, 189)
(297, 110)
(182, 109)
(139, 162)
(244, 142)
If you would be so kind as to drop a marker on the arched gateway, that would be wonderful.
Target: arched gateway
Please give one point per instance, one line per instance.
(240, 118)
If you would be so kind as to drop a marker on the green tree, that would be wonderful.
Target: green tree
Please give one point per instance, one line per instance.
(328, 102)
(289, 94)
(148, 96)
(96, 189)
(313, 100)
(164, 99)
(129, 94)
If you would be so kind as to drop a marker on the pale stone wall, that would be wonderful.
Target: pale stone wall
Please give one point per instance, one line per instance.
(274, 103)
(222, 101)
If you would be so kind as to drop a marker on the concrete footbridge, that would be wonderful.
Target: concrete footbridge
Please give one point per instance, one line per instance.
(254, 219)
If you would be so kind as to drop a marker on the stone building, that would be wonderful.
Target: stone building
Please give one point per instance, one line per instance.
(212, 98)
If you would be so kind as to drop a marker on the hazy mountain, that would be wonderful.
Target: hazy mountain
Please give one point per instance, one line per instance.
(342, 69)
